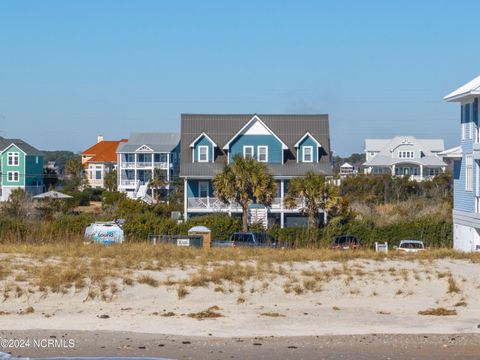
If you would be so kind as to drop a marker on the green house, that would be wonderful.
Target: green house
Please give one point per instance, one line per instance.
(21, 166)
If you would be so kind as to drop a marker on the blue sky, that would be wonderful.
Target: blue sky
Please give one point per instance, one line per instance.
(70, 70)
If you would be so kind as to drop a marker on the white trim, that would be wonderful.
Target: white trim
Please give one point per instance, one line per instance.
(469, 173)
(13, 154)
(311, 154)
(266, 153)
(13, 176)
(254, 118)
(144, 148)
(248, 147)
(200, 136)
(297, 144)
(18, 147)
(198, 153)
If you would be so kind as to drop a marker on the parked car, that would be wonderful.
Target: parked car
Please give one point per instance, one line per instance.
(345, 242)
(248, 239)
(410, 246)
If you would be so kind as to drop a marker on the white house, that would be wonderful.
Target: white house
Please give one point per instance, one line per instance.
(404, 156)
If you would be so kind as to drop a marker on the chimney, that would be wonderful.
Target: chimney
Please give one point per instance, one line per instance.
(99, 138)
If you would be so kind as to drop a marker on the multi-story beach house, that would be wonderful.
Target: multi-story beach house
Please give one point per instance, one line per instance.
(98, 160)
(404, 156)
(143, 155)
(21, 167)
(290, 145)
(466, 173)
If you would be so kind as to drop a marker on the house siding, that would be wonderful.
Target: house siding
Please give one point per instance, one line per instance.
(192, 188)
(274, 147)
(20, 167)
(203, 142)
(308, 141)
(465, 200)
(34, 171)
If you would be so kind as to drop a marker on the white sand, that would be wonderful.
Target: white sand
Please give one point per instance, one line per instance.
(360, 300)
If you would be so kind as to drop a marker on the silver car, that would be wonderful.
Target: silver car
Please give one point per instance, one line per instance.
(410, 246)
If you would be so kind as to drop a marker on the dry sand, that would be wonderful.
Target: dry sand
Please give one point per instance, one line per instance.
(364, 297)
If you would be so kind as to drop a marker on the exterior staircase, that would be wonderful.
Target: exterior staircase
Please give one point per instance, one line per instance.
(141, 194)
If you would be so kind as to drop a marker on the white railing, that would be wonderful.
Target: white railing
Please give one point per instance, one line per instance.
(276, 203)
(128, 182)
(212, 203)
(161, 165)
(128, 165)
(145, 164)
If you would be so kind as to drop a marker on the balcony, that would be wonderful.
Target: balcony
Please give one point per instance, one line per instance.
(214, 204)
(128, 183)
(128, 165)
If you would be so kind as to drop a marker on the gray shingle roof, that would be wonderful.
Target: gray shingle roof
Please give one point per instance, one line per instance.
(25, 147)
(157, 141)
(385, 145)
(220, 128)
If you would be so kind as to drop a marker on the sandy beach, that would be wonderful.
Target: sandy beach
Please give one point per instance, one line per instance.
(299, 299)
(312, 305)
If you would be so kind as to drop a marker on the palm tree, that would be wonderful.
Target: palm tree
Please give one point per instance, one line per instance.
(110, 180)
(157, 181)
(314, 194)
(245, 181)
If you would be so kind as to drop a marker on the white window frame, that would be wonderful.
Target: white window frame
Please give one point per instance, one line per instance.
(469, 173)
(13, 158)
(251, 147)
(200, 184)
(311, 154)
(266, 153)
(13, 176)
(200, 147)
(464, 131)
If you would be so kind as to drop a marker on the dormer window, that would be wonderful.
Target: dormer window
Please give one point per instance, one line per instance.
(202, 153)
(308, 154)
(203, 149)
(308, 149)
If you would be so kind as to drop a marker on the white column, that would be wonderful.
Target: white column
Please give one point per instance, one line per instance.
(282, 193)
(135, 168)
(421, 171)
(393, 170)
(168, 169)
(185, 200)
(282, 220)
(119, 170)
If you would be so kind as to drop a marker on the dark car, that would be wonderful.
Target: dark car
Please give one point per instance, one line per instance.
(257, 239)
(251, 239)
(345, 242)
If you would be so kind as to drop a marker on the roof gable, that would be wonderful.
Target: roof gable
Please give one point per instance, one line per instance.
(199, 137)
(470, 88)
(145, 148)
(255, 126)
(307, 134)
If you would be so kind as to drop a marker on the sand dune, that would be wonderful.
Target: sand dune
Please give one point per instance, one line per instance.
(297, 299)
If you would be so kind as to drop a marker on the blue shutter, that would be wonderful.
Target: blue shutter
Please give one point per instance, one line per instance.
(467, 113)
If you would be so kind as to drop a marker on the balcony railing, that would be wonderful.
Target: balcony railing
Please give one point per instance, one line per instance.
(212, 203)
(128, 165)
(128, 182)
(145, 164)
